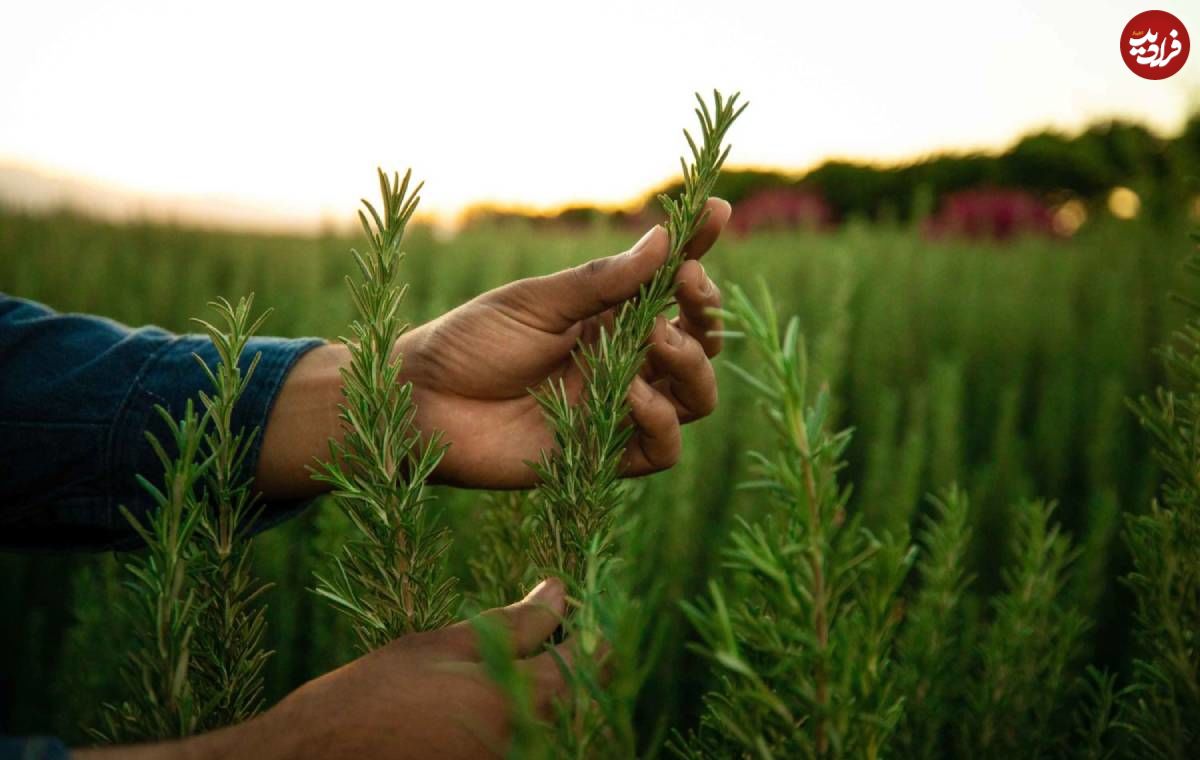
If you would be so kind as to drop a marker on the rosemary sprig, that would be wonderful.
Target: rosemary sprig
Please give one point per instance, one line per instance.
(229, 655)
(161, 599)
(389, 580)
(580, 486)
(197, 657)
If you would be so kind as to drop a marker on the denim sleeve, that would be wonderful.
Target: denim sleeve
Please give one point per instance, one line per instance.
(77, 394)
(33, 748)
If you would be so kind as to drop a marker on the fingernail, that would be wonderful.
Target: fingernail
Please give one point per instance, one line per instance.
(706, 284)
(549, 592)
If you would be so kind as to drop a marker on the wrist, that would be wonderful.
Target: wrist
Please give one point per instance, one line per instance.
(303, 419)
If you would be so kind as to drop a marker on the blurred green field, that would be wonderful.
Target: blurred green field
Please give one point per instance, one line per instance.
(1002, 367)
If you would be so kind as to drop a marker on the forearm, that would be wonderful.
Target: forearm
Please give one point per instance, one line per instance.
(258, 738)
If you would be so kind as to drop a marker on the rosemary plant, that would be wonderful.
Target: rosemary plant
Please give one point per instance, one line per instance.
(802, 637)
(390, 579)
(1027, 650)
(499, 565)
(161, 600)
(1098, 729)
(229, 656)
(197, 659)
(934, 642)
(1163, 706)
(580, 486)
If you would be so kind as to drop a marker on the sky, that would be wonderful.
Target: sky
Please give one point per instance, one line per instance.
(288, 107)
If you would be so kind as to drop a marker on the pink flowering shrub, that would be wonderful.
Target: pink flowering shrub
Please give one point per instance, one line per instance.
(782, 208)
(989, 214)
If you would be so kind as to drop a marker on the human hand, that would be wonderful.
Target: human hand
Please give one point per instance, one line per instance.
(473, 367)
(422, 695)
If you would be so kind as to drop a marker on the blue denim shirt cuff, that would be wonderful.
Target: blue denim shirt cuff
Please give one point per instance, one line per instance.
(172, 376)
(33, 748)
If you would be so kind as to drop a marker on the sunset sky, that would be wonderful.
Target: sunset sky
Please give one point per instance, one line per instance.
(290, 106)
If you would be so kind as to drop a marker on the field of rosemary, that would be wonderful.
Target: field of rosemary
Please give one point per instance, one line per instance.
(924, 520)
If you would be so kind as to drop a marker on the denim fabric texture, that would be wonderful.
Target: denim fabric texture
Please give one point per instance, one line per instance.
(33, 748)
(77, 396)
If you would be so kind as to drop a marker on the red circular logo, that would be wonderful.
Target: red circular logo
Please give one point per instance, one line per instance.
(1155, 44)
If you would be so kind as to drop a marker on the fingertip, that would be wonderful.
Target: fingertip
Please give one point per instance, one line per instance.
(550, 593)
(720, 209)
(640, 391)
(653, 245)
(718, 212)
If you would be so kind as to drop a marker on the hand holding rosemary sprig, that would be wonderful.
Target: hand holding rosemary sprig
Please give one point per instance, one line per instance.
(579, 478)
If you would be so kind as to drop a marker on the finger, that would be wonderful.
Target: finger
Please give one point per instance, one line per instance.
(684, 370)
(697, 296)
(558, 301)
(719, 212)
(529, 622)
(553, 670)
(548, 673)
(657, 441)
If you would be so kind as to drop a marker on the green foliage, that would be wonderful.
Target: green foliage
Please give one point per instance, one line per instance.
(1163, 710)
(162, 602)
(197, 658)
(802, 638)
(1026, 653)
(580, 486)
(499, 564)
(228, 656)
(933, 649)
(1098, 730)
(390, 578)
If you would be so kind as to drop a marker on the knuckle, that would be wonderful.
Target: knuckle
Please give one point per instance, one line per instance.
(426, 642)
(697, 359)
(594, 267)
(587, 277)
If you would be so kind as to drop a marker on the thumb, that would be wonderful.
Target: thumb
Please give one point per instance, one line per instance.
(591, 288)
(533, 619)
(529, 622)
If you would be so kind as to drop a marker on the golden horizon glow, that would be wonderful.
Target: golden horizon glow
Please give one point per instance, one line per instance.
(285, 110)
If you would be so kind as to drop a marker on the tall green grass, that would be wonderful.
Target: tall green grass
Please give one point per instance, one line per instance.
(1002, 368)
